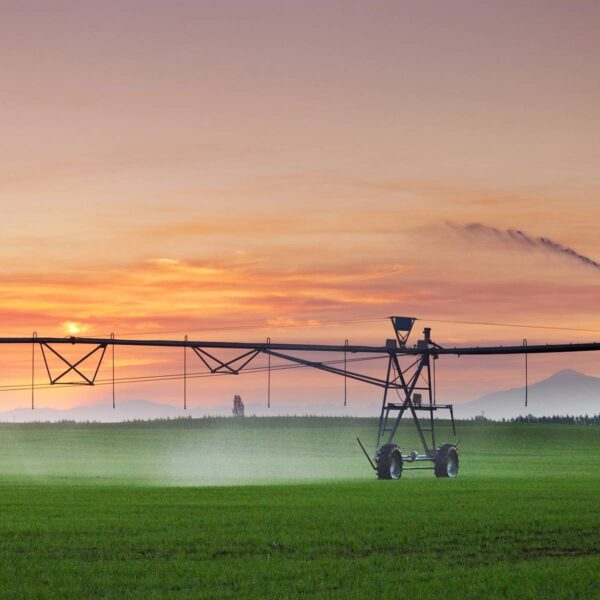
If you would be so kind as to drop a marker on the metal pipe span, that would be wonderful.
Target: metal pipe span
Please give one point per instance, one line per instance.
(263, 346)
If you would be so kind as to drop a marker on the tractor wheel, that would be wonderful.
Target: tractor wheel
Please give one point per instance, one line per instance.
(389, 462)
(446, 461)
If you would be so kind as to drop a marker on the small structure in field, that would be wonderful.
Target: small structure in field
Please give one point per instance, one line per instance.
(238, 406)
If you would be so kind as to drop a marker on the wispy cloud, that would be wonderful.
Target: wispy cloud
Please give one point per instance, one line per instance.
(172, 293)
(517, 237)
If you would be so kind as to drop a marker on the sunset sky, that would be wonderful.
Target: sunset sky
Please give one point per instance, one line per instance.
(299, 170)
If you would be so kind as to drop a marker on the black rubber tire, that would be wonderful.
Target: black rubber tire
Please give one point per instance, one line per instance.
(389, 462)
(446, 461)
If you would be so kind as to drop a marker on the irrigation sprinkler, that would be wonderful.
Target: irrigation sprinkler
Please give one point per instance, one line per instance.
(409, 386)
(414, 385)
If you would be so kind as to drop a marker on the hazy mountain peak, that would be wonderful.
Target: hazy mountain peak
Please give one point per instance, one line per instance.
(566, 392)
(567, 375)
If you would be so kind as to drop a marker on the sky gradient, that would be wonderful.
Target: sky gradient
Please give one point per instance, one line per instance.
(307, 168)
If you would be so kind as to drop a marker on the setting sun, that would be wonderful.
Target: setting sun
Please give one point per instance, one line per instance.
(73, 328)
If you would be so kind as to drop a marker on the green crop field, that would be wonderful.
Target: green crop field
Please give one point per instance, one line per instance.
(289, 508)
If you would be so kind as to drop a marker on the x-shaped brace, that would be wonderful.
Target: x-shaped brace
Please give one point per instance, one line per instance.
(230, 366)
(73, 367)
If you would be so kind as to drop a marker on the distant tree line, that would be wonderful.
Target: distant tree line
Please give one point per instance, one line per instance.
(566, 419)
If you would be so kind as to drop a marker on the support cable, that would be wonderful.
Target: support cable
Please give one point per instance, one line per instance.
(194, 375)
(526, 374)
(346, 373)
(269, 376)
(185, 374)
(514, 325)
(34, 336)
(114, 405)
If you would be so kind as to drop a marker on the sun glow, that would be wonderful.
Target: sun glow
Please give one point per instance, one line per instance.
(73, 328)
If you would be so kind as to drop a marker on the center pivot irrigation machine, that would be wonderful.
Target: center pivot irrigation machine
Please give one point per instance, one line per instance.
(410, 375)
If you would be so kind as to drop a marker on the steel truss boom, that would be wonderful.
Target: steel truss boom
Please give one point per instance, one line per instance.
(264, 346)
(422, 353)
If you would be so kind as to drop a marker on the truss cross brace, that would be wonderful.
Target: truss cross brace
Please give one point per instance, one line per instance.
(73, 367)
(233, 366)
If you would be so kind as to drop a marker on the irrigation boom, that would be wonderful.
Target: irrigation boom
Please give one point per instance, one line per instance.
(355, 349)
(410, 374)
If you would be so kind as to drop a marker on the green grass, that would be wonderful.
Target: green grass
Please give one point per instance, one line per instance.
(132, 510)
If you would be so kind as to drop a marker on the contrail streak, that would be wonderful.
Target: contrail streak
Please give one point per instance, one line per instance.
(518, 237)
